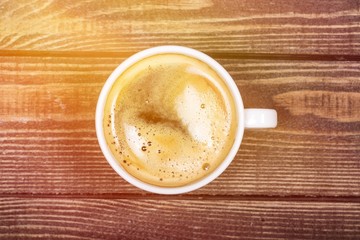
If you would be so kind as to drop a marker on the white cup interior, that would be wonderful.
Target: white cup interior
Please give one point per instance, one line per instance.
(100, 115)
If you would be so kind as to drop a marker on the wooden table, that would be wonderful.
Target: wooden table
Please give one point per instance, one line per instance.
(300, 180)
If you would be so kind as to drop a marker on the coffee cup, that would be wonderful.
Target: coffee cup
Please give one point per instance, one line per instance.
(170, 119)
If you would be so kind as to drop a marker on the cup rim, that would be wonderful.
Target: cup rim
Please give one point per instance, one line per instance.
(99, 115)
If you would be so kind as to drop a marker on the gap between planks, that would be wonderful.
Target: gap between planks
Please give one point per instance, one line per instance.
(204, 197)
(219, 55)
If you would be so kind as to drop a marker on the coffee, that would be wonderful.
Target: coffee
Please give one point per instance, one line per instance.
(169, 120)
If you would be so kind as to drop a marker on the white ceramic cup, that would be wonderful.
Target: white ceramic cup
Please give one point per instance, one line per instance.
(247, 118)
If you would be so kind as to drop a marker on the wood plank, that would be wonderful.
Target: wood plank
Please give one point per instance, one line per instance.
(260, 26)
(48, 143)
(34, 218)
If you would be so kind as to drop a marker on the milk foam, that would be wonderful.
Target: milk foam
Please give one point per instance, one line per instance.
(169, 120)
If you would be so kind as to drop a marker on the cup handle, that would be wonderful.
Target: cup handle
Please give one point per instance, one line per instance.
(260, 118)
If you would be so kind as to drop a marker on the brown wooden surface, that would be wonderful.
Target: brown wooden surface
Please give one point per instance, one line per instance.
(300, 180)
(175, 219)
(257, 26)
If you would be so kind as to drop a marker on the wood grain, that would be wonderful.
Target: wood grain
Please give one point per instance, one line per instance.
(47, 134)
(298, 181)
(176, 219)
(260, 26)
